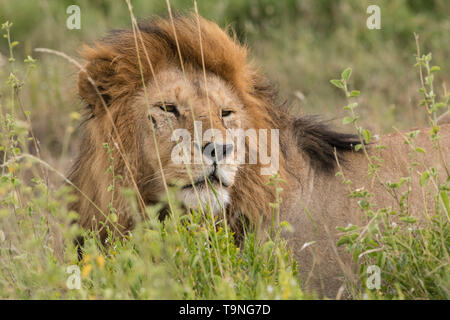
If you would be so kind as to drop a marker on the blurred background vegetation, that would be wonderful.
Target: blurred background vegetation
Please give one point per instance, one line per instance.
(299, 44)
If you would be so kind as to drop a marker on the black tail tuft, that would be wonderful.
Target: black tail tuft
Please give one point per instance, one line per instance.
(318, 141)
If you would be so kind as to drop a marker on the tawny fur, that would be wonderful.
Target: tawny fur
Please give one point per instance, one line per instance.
(444, 118)
(308, 146)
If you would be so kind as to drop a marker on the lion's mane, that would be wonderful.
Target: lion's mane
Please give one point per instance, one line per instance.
(120, 63)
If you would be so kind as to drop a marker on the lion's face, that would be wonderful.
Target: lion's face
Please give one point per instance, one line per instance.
(143, 122)
(182, 108)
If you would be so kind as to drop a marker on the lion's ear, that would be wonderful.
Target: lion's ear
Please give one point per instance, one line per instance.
(97, 81)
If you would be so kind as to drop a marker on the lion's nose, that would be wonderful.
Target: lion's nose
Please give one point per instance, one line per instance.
(217, 151)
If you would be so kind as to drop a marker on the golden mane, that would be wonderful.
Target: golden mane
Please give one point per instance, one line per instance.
(117, 69)
(115, 65)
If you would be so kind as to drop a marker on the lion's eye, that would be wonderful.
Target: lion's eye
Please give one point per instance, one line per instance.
(169, 107)
(226, 113)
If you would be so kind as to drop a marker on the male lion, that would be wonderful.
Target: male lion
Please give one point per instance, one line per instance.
(138, 90)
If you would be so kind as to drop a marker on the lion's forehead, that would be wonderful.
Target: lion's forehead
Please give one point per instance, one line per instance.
(190, 89)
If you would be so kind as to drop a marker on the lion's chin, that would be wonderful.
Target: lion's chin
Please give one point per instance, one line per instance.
(204, 198)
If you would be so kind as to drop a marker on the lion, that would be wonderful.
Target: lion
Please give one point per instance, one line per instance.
(141, 85)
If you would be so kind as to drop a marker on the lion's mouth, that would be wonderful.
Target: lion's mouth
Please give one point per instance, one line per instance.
(201, 181)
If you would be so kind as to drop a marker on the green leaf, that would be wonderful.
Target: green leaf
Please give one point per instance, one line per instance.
(351, 106)
(413, 134)
(348, 228)
(113, 217)
(343, 240)
(424, 178)
(408, 219)
(347, 120)
(358, 147)
(445, 200)
(354, 93)
(439, 105)
(366, 135)
(419, 149)
(338, 83)
(346, 73)
(435, 68)
(383, 259)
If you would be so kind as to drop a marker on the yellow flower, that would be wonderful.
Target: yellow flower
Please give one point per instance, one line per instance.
(100, 261)
(86, 270)
(75, 115)
(87, 258)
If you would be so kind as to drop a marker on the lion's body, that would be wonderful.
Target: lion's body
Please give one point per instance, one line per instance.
(444, 118)
(329, 205)
(230, 93)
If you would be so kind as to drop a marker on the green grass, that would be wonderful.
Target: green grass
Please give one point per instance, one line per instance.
(300, 45)
(187, 257)
(412, 254)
